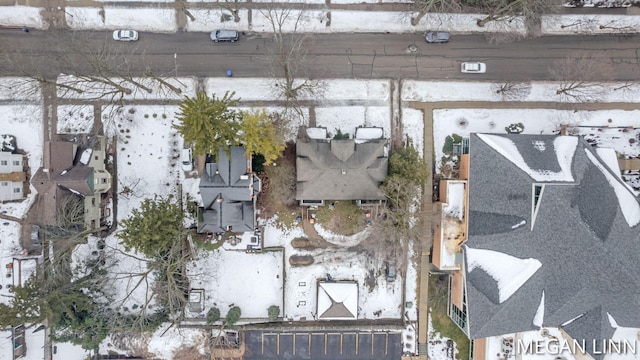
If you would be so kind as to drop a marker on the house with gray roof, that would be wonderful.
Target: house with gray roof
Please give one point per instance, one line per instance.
(229, 191)
(551, 241)
(348, 169)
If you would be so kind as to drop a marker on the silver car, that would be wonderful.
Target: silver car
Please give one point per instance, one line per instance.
(125, 35)
(473, 67)
(224, 35)
(437, 37)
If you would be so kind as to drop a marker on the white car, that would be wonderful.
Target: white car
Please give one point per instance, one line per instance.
(473, 67)
(185, 158)
(125, 35)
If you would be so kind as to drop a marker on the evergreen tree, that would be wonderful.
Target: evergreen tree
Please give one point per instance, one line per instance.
(232, 316)
(154, 227)
(208, 122)
(407, 164)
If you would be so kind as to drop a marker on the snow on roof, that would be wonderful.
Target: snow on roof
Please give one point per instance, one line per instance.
(455, 200)
(564, 147)
(337, 300)
(317, 133)
(369, 133)
(626, 199)
(86, 156)
(539, 316)
(509, 272)
(610, 159)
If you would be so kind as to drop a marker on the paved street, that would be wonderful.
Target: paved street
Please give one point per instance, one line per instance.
(334, 345)
(355, 55)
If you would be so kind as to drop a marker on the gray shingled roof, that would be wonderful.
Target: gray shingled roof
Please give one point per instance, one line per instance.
(589, 253)
(228, 190)
(340, 169)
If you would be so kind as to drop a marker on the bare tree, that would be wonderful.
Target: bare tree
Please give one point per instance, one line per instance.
(163, 281)
(581, 79)
(500, 10)
(510, 91)
(233, 6)
(289, 57)
(423, 7)
(70, 211)
(84, 65)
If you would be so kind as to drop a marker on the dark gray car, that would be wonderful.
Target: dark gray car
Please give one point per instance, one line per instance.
(437, 37)
(35, 235)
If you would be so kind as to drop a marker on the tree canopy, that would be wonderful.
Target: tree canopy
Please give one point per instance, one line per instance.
(407, 164)
(208, 122)
(259, 135)
(154, 227)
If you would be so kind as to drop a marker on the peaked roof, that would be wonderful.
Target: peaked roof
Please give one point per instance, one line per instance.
(337, 300)
(585, 237)
(340, 169)
(228, 188)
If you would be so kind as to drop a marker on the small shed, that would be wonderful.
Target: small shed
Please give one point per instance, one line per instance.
(337, 300)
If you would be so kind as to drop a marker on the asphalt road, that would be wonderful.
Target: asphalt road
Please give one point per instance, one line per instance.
(355, 55)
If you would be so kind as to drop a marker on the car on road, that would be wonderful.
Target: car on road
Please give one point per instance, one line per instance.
(390, 271)
(437, 37)
(35, 235)
(185, 158)
(224, 35)
(125, 35)
(473, 67)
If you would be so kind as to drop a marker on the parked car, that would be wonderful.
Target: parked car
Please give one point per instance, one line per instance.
(35, 235)
(125, 35)
(437, 37)
(390, 271)
(224, 35)
(185, 158)
(473, 67)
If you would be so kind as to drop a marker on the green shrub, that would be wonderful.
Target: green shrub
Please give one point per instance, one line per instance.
(213, 315)
(449, 141)
(340, 136)
(273, 312)
(233, 316)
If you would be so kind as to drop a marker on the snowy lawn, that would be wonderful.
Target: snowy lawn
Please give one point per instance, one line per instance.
(109, 17)
(21, 16)
(75, 119)
(211, 19)
(229, 278)
(413, 128)
(348, 118)
(93, 90)
(148, 153)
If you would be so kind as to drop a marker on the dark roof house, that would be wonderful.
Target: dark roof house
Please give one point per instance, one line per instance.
(65, 171)
(229, 189)
(340, 169)
(552, 239)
